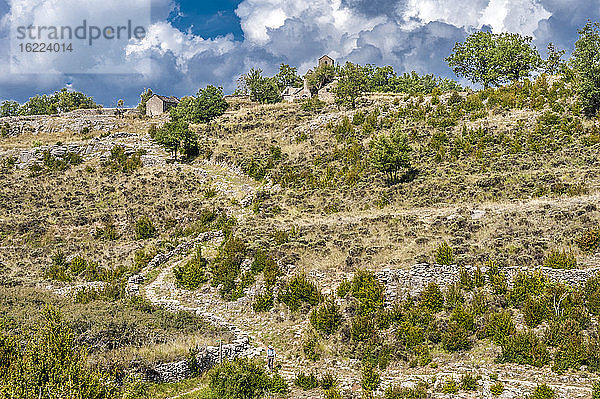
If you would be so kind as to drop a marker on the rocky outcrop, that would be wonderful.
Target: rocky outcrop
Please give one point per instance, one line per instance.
(95, 147)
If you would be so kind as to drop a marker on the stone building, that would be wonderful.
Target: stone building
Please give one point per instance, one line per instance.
(158, 105)
(291, 94)
(326, 60)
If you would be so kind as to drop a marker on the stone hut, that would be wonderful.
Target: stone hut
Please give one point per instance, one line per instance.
(158, 105)
(291, 94)
(326, 60)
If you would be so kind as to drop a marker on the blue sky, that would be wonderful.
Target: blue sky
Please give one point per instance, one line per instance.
(195, 43)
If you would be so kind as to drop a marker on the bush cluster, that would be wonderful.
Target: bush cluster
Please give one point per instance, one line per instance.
(299, 293)
(589, 241)
(244, 378)
(80, 268)
(144, 228)
(121, 160)
(561, 259)
(193, 273)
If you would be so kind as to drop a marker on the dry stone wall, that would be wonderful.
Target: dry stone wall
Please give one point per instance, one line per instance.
(399, 282)
(208, 356)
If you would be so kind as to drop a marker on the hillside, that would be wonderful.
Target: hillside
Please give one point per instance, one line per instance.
(149, 258)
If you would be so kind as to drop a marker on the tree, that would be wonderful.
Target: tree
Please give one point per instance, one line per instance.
(390, 154)
(492, 59)
(288, 76)
(67, 101)
(208, 104)
(177, 135)
(60, 101)
(39, 105)
(262, 89)
(320, 77)
(351, 84)
(585, 62)
(515, 56)
(144, 97)
(9, 108)
(554, 63)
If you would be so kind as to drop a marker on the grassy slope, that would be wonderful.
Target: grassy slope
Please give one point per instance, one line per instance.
(339, 217)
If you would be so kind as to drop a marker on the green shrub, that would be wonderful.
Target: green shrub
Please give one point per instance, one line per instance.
(454, 296)
(328, 381)
(120, 161)
(263, 302)
(390, 154)
(306, 382)
(450, 386)
(343, 130)
(310, 347)
(58, 269)
(369, 292)
(409, 335)
(591, 293)
(571, 354)
(497, 279)
(524, 348)
(370, 378)
(463, 318)
(226, 269)
(465, 278)
(444, 255)
(333, 393)
(526, 285)
(278, 385)
(243, 378)
(144, 229)
(500, 326)
(77, 265)
(534, 311)
(542, 392)
(108, 232)
(432, 298)
(50, 361)
(596, 391)
(561, 259)
(271, 271)
(589, 241)
(362, 329)
(192, 274)
(468, 383)
(418, 392)
(344, 288)
(326, 318)
(478, 278)
(313, 104)
(358, 118)
(142, 257)
(456, 338)
(479, 302)
(300, 291)
(497, 389)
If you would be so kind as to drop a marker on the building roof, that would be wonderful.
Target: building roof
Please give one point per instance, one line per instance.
(172, 100)
(326, 56)
(292, 91)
